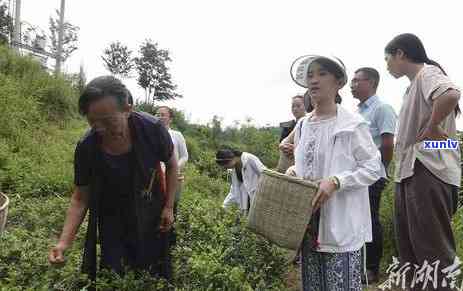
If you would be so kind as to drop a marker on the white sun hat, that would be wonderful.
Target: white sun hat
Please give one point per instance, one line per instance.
(300, 68)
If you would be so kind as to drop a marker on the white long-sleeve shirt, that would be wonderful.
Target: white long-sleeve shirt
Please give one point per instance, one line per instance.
(344, 149)
(180, 150)
(239, 192)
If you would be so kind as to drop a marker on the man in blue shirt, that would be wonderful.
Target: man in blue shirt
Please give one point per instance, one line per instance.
(382, 120)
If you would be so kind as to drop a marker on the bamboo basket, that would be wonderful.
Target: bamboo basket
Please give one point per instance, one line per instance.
(284, 162)
(4, 201)
(281, 208)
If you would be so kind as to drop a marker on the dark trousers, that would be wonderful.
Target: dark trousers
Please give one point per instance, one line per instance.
(375, 248)
(123, 256)
(118, 256)
(173, 233)
(424, 206)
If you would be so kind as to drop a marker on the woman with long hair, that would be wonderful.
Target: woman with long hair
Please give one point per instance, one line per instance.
(334, 147)
(427, 177)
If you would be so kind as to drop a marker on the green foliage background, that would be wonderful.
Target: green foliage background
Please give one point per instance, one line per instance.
(39, 128)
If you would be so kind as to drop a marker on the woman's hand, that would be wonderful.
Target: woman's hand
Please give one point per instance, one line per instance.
(167, 219)
(326, 188)
(433, 132)
(287, 148)
(56, 254)
(291, 171)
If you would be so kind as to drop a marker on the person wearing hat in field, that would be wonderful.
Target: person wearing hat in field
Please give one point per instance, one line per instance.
(333, 147)
(246, 170)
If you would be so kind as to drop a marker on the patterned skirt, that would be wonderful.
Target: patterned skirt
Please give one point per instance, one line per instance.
(330, 271)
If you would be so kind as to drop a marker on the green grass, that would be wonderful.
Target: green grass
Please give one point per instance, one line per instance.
(214, 251)
(38, 133)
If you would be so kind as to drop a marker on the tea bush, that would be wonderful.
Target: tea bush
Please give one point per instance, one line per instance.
(39, 128)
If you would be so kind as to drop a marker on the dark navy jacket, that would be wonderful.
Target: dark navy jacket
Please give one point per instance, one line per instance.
(151, 144)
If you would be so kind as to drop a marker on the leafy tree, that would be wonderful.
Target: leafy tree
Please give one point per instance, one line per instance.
(153, 73)
(216, 130)
(6, 24)
(70, 37)
(81, 79)
(118, 60)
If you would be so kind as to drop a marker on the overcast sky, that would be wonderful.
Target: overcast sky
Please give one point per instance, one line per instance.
(232, 58)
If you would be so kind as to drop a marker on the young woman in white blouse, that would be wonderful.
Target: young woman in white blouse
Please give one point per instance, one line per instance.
(246, 170)
(334, 147)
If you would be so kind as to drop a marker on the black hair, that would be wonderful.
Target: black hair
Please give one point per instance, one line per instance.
(333, 68)
(100, 87)
(226, 154)
(129, 98)
(414, 50)
(171, 111)
(308, 102)
(371, 73)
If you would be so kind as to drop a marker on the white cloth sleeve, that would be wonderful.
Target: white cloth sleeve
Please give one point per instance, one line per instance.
(257, 165)
(182, 152)
(230, 199)
(368, 160)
